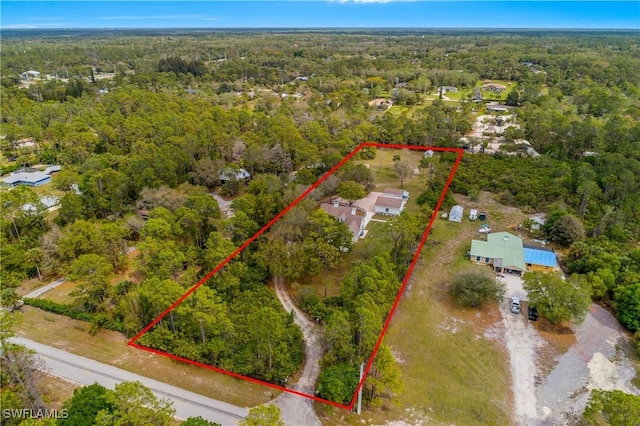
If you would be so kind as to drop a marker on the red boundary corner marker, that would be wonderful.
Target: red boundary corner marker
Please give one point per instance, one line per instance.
(425, 235)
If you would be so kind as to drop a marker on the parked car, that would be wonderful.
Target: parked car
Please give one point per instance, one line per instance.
(515, 305)
(533, 313)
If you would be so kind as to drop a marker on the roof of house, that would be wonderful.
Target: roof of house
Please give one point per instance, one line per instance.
(537, 256)
(504, 239)
(494, 86)
(394, 191)
(27, 177)
(47, 201)
(388, 202)
(344, 214)
(227, 174)
(457, 209)
(538, 220)
(511, 256)
(52, 168)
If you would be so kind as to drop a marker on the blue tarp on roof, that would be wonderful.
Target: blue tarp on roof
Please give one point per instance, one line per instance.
(540, 257)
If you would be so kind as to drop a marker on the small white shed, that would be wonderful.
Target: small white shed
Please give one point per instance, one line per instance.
(456, 214)
(473, 214)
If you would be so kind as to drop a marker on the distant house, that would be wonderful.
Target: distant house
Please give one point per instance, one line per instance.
(498, 107)
(445, 89)
(27, 75)
(428, 153)
(391, 202)
(473, 214)
(351, 216)
(49, 202)
(494, 87)
(232, 173)
(455, 215)
(30, 177)
(502, 250)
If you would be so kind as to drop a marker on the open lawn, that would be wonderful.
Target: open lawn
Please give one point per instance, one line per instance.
(111, 348)
(55, 390)
(60, 294)
(452, 361)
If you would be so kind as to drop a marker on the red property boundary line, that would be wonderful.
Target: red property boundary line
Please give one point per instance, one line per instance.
(423, 240)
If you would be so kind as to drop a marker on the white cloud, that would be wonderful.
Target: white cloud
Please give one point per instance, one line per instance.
(38, 26)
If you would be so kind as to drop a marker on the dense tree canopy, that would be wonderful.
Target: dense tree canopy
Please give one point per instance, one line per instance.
(556, 298)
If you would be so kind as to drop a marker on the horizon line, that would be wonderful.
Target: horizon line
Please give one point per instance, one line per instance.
(323, 28)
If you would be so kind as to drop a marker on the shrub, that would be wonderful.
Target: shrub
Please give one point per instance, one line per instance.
(473, 288)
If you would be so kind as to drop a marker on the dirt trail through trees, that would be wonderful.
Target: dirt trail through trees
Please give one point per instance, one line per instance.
(296, 410)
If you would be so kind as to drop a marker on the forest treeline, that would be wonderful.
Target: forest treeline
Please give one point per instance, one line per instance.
(287, 107)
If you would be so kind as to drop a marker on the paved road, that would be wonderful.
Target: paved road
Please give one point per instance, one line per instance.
(86, 371)
(42, 290)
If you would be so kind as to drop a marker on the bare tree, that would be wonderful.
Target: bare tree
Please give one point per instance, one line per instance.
(403, 169)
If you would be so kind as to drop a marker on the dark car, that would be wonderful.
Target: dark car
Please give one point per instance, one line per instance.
(533, 313)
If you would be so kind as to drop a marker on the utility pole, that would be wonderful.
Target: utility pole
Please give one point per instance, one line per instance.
(360, 391)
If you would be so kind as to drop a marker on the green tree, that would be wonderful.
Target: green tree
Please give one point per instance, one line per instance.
(338, 382)
(9, 298)
(404, 233)
(473, 288)
(19, 378)
(351, 191)
(339, 338)
(627, 303)
(84, 406)
(556, 299)
(135, 405)
(263, 415)
(567, 230)
(92, 273)
(198, 421)
(614, 408)
(384, 379)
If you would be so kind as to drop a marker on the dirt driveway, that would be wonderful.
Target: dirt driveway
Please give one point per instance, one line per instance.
(595, 361)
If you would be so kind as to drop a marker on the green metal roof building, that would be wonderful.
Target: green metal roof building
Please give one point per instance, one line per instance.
(502, 250)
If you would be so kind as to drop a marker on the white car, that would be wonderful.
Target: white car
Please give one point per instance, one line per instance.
(515, 305)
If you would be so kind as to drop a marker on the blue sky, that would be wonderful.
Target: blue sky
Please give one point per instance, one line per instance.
(320, 14)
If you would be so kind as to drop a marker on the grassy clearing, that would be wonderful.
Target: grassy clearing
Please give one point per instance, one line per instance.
(111, 348)
(454, 371)
(60, 294)
(55, 390)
